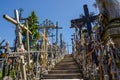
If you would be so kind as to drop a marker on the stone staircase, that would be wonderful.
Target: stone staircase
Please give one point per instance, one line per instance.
(66, 69)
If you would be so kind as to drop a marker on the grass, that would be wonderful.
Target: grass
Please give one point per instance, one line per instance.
(0, 74)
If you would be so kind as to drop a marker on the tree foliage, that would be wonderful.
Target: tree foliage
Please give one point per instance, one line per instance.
(33, 27)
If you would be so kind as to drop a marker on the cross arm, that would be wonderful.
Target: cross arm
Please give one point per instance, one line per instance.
(50, 27)
(93, 18)
(40, 27)
(58, 28)
(43, 35)
(77, 22)
(15, 22)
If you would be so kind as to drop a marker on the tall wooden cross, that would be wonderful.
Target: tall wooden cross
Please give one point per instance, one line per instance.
(44, 44)
(19, 44)
(86, 19)
(57, 32)
(45, 28)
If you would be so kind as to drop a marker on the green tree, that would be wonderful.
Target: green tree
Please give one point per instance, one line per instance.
(33, 27)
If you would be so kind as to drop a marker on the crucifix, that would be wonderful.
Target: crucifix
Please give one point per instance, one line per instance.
(19, 45)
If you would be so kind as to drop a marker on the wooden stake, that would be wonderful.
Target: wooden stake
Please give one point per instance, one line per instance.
(23, 68)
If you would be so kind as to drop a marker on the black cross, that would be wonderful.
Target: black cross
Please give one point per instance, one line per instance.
(86, 19)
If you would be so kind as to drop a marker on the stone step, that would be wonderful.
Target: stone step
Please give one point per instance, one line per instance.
(68, 55)
(67, 63)
(62, 79)
(63, 71)
(62, 76)
(67, 60)
(66, 68)
(71, 65)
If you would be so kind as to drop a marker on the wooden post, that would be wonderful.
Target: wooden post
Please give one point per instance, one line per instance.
(23, 68)
(57, 32)
(76, 34)
(44, 46)
(100, 65)
(100, 69)
(19, 44)
(44, 51)
(72, 44)
(87, 16)
(61, 42)
(45, 28)
(28, 46)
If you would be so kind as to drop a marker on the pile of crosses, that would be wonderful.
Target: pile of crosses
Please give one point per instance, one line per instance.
(25, 64)
(97, 50)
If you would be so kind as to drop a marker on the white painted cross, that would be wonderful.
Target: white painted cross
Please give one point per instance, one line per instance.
(19, 44)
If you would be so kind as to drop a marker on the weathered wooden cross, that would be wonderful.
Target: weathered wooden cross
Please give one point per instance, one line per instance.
(19, 44)
(87, 19)
(57, 32)
(84, 21)
(45, 28)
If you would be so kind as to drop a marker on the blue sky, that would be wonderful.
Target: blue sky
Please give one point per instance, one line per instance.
(56, 10)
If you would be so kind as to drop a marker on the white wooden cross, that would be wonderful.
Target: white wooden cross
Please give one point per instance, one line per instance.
(19, 44)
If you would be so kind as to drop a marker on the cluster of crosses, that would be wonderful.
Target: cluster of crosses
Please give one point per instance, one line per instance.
(89, 46)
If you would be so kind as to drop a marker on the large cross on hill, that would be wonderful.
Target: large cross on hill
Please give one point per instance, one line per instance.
(19, 44)
(86, 19)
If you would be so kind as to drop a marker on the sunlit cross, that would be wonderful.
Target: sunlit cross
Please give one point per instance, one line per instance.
(19, 44)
